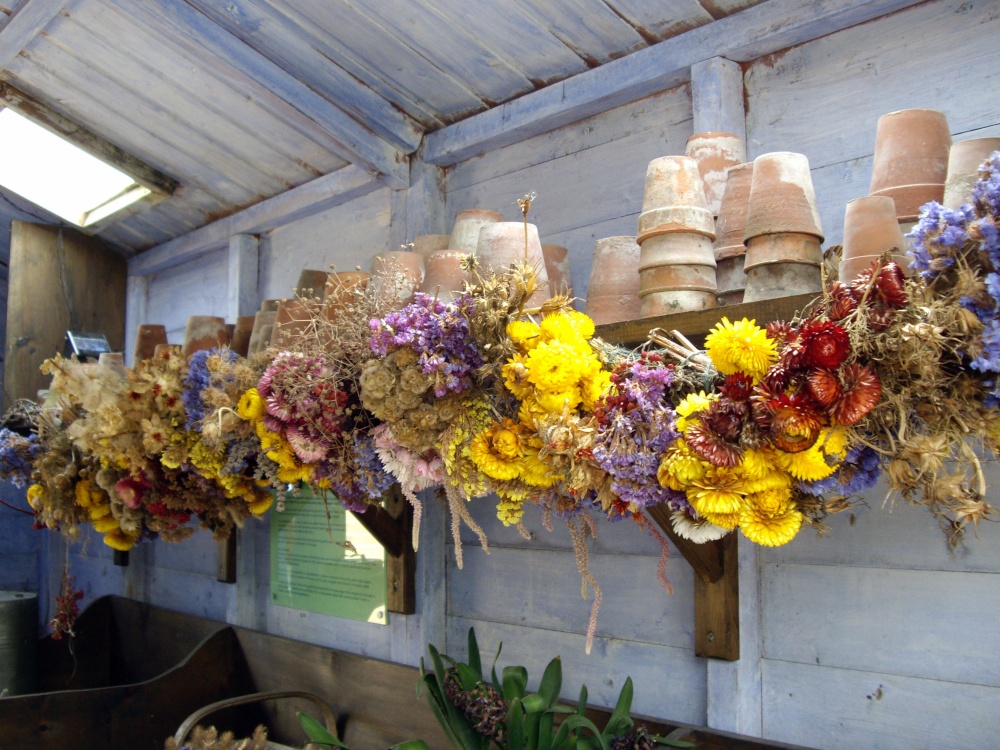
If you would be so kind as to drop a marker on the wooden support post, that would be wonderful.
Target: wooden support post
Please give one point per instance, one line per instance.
(392, 527)
(241, 297)
(119, 558)
(716, 606)
(225, 559)
(717, 97)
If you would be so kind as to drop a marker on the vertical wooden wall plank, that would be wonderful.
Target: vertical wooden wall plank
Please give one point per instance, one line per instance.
(425, 200)
(242, 296)
(717, 97)
(734, 688)
(136, 306)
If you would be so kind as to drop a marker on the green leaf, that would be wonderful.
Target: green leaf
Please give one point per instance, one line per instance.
(493, 670)
(551, 682)
(474, 663)
(515, 682)
(468, 676)
(316, 732)
(581, 705)
(411, 745)
(515, 725)
(534, 704)
(660, 740)
(620, 720)
(438, 664)
(545, 731)
(558, 709)
(572, 723)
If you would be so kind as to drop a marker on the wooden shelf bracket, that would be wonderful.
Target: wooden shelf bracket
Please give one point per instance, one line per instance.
(392, 527)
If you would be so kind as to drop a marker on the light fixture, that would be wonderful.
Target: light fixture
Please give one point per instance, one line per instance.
(67, 170)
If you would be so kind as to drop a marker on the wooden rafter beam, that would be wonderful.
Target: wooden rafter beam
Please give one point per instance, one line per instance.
(206, 43)
(324, 192)
(769, 27)
(27, 21)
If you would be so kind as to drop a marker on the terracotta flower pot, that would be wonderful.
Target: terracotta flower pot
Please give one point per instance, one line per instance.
(293, 318)
(445, 277)
(558, 268)
(666, 289)
(964, 161)
(911, 159)
(502, 245)
(782, 265)
(465, 231)
(160, 348)
(204, 332)
(147, 336)
(613, 290)
(715, 153)
(425, 244)
(730, 227)
(674, 199)
(262, 320)
(677, 248)
(870, 229)
(396, 275)
(311, 283)
(240, 342)
(782, 198)
(269, 305)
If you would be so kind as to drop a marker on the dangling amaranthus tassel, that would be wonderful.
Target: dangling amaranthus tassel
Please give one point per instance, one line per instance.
(661, 568)
(460, 513)
(418, 511)
(579, 527)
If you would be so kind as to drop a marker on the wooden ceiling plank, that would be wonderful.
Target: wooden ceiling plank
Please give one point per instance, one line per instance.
(765, 28)
(207, 43)
(588, 27)
(657, 20)
(294, 48)
(348, 31)
(325, 192)
(26, 23)
(129, 53)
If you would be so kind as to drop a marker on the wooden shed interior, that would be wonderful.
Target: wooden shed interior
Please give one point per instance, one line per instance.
(292, 134)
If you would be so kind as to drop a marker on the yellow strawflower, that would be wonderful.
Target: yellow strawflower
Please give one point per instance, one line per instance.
(689, 405)
(251, 406)
(497, 451)
(741, 347)
(524, 333)
(120, 540)
(770, 518)
(817, 462)
(566, 325)
(712, 500)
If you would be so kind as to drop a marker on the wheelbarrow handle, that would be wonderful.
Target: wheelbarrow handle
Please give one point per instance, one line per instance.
(189, 723)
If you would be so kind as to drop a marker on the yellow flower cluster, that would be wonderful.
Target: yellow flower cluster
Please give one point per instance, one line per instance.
(756, 494)
(96, 502)
(273, 444)
(741, 347)
(554, 370)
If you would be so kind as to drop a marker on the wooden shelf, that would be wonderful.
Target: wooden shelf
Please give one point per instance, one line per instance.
(716, 581)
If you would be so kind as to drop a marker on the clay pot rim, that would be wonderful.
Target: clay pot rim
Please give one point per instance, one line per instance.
(752, 261)
(730, 251)
(487, 211)
(714, 134)
(914, 109)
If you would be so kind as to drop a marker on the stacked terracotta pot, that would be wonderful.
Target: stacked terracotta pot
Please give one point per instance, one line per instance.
(964, 160)
(558, 269)
(147, 337)
(676, 230)
(870, 229)
(910, 164)
(263, 326)
(783, 233)
(204, 332)
(613, 291)
(506, 243)
(445, 261)
(396, 275)
(730, 252)
(716, 154)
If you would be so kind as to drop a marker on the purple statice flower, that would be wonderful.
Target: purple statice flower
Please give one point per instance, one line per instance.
(858, 472)
(369, 480)
(986, 193)
(938, 236)
(197, 380)
(989, 360)
(16, 455)
(438, 333)
(635, 425)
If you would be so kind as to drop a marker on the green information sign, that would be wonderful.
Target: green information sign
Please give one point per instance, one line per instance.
(332, 566)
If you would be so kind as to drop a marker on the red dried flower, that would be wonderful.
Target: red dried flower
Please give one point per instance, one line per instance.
(737, 387)
(824, 386)
(826, 343)
(880, 318)
(861, 392)
(778, 330)
(710, 446)
(890, 286)
(863, 279)
(842, 301)
(795, 422)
